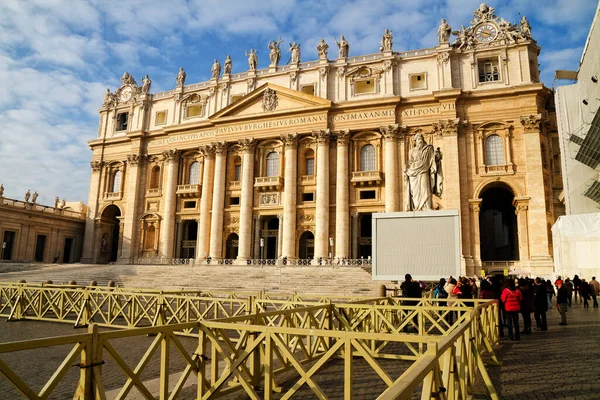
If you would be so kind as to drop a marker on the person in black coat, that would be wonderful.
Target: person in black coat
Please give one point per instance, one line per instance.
(540, 304)
(526, 304)
(584, 292)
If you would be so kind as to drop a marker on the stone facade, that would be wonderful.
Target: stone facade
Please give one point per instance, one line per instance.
(290, 162)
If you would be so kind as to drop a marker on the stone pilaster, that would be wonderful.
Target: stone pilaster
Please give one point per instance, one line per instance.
(246, 199)
(202, 245)
(342, 197)
(135, 163)
(475, 207)
(257, 222)
(323, 138)
(392, 193)
(280, 235)
(90, 223)
(354, 244)
(521, 205)
(288, 248)
(171, 159)
(538, 232)
(218, 201)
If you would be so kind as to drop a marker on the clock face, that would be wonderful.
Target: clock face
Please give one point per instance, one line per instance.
(486, 33)
(125, 94)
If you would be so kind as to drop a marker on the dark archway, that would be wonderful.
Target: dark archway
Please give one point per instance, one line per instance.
(365, 223)
(109, 243)
(498, 225)
(232, 246)
(306, 249)
(188, 241)
(270, 238)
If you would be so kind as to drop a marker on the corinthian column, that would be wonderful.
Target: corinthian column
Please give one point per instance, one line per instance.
(342, 200)
(171, 158)
(289, 195)
(245, 243)
(392, 194)
(322, 213)
(218, 203)
(130, 237)
(205, 202)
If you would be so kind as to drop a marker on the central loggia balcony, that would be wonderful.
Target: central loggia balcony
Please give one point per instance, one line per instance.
(268, 183)
(113, 196)
(188, 190)
(367, 178)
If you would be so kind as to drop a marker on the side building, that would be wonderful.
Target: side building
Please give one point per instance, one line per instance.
(290, 162)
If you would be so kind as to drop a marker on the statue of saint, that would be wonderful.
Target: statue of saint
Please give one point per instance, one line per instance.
(146, 82)
(127, 79)
(227, 69)
(386, 41)
(322, 49)
(344, 47)
(34, 197)
(216, 69)
(63, 203)
(104, 244)
(108, 97)
(421, 176)
(274, 52)
(525, 27)
(56, 202)
(180, 77)
(27, 195)
(295, 50)
(444, 32)
(1, 190)
(252, 60)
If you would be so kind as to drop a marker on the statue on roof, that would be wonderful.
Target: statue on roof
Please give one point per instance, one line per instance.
(386, 41)
(127, 79)
(108, 97)
(483, 13)
(180, 77)
(295, 50)
(216, 69)
(1, 189)
(146, 82)
(525, 27)
(27, 195)
(227, 69)
(344, 47)
(444, 32)
(252, 59)
(274, 52)
(34, 197)
(322, 49)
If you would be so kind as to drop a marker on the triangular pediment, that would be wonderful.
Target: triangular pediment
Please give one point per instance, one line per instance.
(269, 100)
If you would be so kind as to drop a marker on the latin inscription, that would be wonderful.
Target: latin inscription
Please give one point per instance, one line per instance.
(416, 112)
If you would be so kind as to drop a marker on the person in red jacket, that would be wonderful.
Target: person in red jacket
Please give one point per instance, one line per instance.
(512, 297)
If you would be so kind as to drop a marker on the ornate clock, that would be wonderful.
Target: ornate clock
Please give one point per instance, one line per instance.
(485, 33)
(125, 94)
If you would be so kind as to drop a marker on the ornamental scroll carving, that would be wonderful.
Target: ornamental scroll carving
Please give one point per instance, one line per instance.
(269, 199)
(208, 150)
(323, 72)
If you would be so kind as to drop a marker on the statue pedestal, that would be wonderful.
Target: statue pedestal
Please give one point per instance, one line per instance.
(272, 68)
(387, 53)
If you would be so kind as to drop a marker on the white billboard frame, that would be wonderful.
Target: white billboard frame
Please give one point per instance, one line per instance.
(452, 270)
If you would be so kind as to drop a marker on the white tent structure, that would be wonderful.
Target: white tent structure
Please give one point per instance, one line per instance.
(576, 241)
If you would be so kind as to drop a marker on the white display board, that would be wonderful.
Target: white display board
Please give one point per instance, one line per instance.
(425, 244)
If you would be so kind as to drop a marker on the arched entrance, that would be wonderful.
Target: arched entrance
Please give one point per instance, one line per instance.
(269, 236)
(306, 249)
(498, 225)
(110, 235)
(232, 246)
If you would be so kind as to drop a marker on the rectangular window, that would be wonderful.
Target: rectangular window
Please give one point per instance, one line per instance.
(234, 201)
(418, 81)
(367, 195)
(310, 166)
(364, 86)
(189, 204)
(194, 110)
(161, 118)
(308, 89)
(308, 196)
(237, 172)
(488, 71)
(122, 120)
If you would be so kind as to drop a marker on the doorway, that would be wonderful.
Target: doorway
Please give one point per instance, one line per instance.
(8, 243)
(498, 225)
(188, 242)
(306, 249)
(109, 243)
(232, 246)
(67, 250)
(365, 225)
(40, 248)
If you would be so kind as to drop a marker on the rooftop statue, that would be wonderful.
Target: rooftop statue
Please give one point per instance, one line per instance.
(180, 77)
(1, 190)
(322, 49)
(344, 47)
(34, 197)
(146, 83)
(108, 97)
(525, 27)
(274, 52)
(27, 195)
(444, 32)
(386, 41)
(295, 50)
(227, 69)
(216, 69)
(127, 79)
(252, 60)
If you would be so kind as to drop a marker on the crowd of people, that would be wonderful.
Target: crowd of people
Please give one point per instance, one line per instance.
(524, 296)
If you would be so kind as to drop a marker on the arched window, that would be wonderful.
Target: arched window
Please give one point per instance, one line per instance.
(272, 164)
(309, 158)
(194, 176)
(367, 158)
(237, 169)
(155, 177)
(494, 150)
(116, 183)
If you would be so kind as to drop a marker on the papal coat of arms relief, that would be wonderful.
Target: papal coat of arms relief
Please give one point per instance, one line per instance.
(269, 102)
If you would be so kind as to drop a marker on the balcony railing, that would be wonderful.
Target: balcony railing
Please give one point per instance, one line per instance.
(235, 185)
(113, 196)
(153, 192)
(501, 169)
(188, 190)
(367, 178)
(268, 182)
(308, 179)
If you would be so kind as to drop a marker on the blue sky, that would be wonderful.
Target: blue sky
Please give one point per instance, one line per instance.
(57, 57)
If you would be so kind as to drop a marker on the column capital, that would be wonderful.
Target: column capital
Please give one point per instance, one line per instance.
(208, 150)
(390, 133)
(475, 205)
(135, 159)
(531, 123)
(448, 127)
(171, 155)
(290, 140)
(257, 217)
(220, 148)
(342, 137)
(280, 217)
(322, 136)
(247, 145)
(521, 204)
(96, 165)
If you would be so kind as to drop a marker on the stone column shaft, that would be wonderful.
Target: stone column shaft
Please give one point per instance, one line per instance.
(475, 205)
(246, 200)
(288, 245)
(90, 223)
(522, 227)
(280, 235)
(218, 203)
(168, 224)
(322, 208)
(342, 206)
(354, 244)
(257, 221)
(392, 195)
(202, 246)
(134, 186)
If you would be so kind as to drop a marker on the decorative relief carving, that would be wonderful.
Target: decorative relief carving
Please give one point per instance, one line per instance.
(323, 72)
(171, 155)
(232, 220)
(224, 86)
(322, 136)
(269, 199)
(341, 72)
(388, 65)
(269, 100)
(531, 123)
(303, 218)
(212, 91)
(364, 72)
(443, 58)
(293, 77)
(251, 82)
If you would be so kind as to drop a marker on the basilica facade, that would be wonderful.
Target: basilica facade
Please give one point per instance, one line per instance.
(290, 162)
